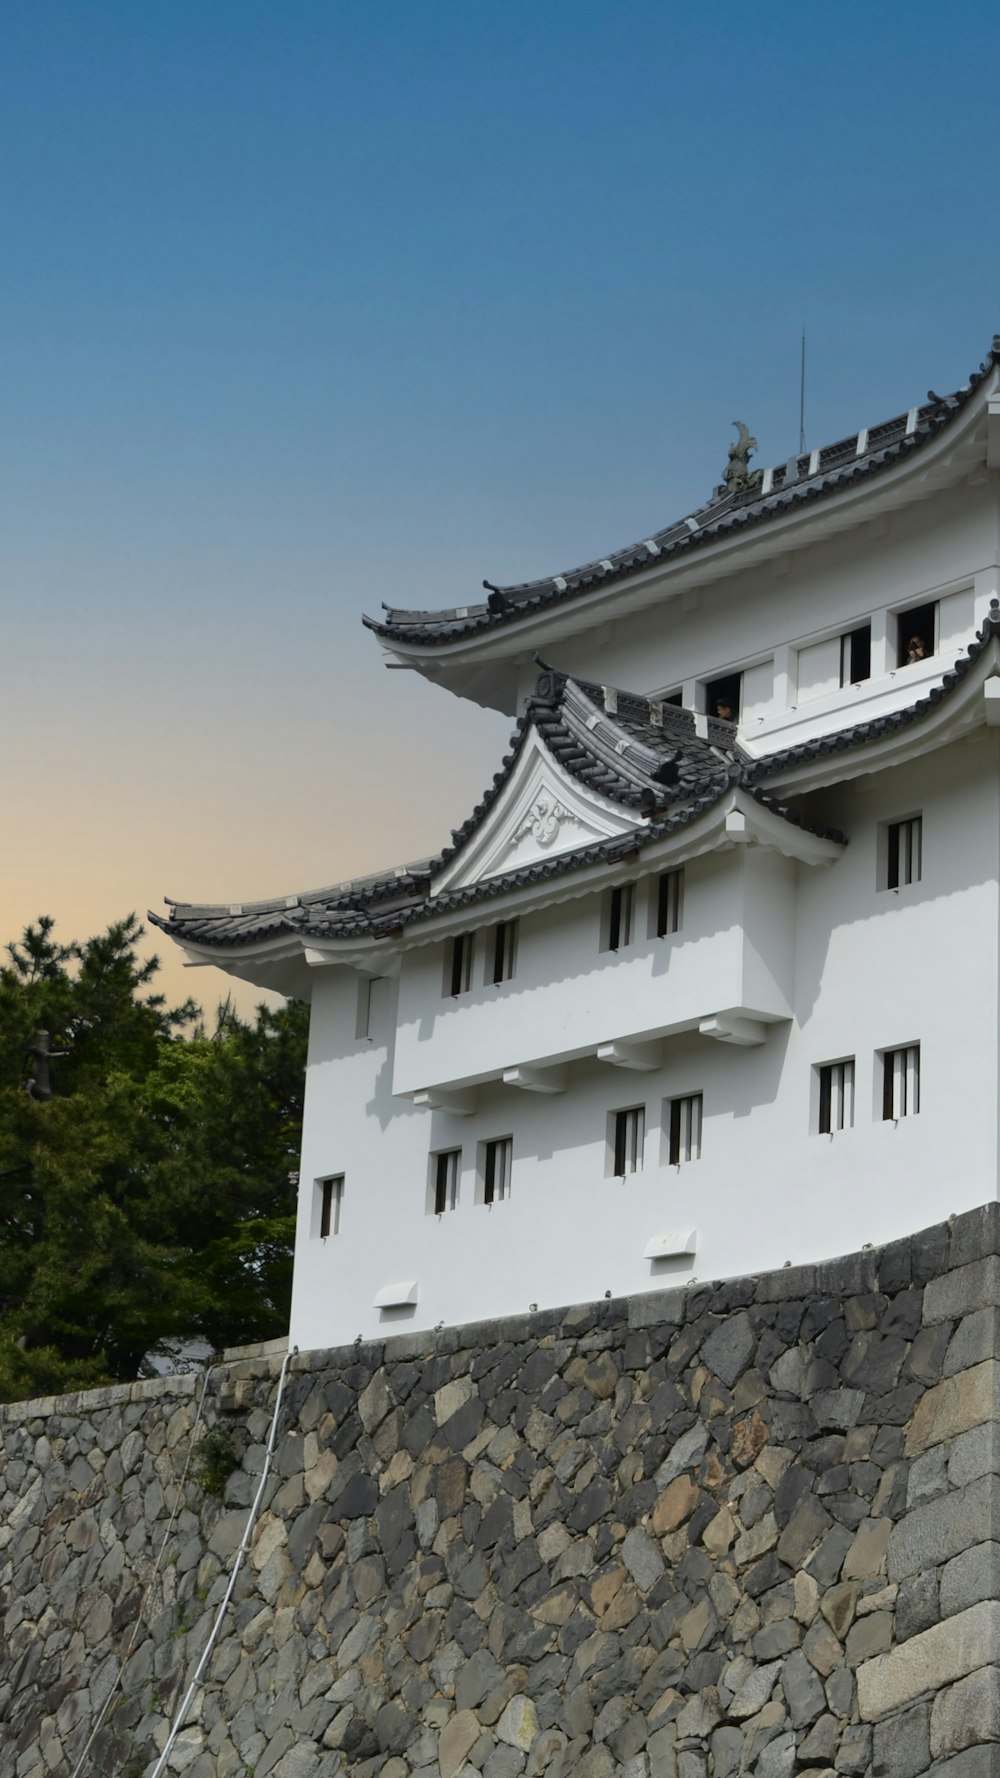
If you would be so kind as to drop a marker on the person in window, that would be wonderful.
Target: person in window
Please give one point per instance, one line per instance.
(915, 650)
(724, 710)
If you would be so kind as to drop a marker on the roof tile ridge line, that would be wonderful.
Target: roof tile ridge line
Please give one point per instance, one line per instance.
(856, 734)
(547, 590)
(607, 720)
(518, 740)
(348, 894)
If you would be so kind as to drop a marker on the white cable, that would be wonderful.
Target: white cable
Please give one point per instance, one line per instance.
(178, 1721)
(141, 1613)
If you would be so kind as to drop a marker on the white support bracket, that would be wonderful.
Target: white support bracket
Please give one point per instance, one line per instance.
(460, 1101)
(672, 1245)
(727, 1028)
(396, 1296)
(536, 1080)
(643, 1057)
(738, 828)
(991, 699)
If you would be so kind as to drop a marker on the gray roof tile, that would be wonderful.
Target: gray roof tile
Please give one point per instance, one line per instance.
(639, 753)
(793, 484)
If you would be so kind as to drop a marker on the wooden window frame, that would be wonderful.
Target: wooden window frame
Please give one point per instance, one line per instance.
(685, 1120)
(627, 1140)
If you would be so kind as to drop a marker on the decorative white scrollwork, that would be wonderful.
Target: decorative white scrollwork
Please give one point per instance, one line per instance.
(542, 820)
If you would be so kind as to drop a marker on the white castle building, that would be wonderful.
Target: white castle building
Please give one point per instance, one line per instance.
(709, 979)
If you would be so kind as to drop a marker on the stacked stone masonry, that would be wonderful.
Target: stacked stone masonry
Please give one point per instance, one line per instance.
(748, 1527)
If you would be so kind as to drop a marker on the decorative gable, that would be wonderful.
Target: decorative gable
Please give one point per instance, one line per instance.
(541, 812)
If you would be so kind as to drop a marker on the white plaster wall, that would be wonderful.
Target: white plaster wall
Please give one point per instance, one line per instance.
(872, 969)
(568, 995)
(757, 621)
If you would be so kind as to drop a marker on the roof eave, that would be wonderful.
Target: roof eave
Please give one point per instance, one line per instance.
(955, 710)
(942, 460)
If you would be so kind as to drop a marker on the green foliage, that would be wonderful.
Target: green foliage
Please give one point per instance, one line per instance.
(215, 1459)
(148, 1199)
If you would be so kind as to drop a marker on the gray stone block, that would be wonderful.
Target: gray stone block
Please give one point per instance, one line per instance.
(917, 1605)
(974, 1233)
(655, 1306)
(974, 1453)
(975, 1762)
(928, 1476)
(803, 1690)
(728, 1350)
(953, 1406)
(938, 1656)
(967, 1714)
(976, 1337)
(961, 1292)
(902, 1743)
(837, 1408)
(931, 1534)
(791, 1283)
(970, 1577)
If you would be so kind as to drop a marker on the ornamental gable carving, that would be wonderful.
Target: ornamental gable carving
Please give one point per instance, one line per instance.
(541, 813)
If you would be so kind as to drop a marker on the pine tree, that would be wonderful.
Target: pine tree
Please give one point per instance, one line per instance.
(149, 1198)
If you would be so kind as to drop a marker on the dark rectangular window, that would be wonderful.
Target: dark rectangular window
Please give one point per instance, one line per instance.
(856, 655)
(331, 1196)
(372, 1006)
(446, 1165)
(504, 946)
(676, 698)
(916, 631)
(629, 1134)
(722, 697)
(836, 1097)
(497, 1161)
(621, 905)
(459, 971)
(685, 1129)
(669, 902)
(904, 852)
(901, 1082)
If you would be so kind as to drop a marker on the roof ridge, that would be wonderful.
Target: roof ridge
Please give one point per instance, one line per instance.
(804, 476)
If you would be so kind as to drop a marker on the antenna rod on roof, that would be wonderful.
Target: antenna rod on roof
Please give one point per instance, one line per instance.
(802, 398)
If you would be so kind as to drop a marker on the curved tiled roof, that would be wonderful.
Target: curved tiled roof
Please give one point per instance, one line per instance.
(842, 740)
(811, 476)
(644, 755)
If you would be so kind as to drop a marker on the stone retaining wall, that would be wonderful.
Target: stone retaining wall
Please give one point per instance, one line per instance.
(752, 1526)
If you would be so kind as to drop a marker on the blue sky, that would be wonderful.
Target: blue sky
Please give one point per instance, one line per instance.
(309, 306)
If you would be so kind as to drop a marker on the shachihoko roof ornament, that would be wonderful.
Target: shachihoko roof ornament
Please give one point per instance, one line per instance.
(738, 477)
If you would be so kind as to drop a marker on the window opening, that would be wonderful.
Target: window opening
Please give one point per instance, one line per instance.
(836, 1097)
(676, 698)
(904, 852)
(856, 655)
(901, 1082)
(459, 975)
(497, 1161)
(916, 632)
(371, 1003)
(621, 904)
(629, 1136)
(446, 1180)
(504, 943)
(685, 1129)
(722, 697)
(331, 1197)
(669, 903)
